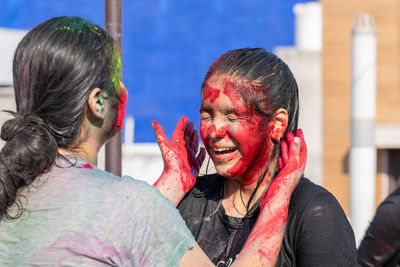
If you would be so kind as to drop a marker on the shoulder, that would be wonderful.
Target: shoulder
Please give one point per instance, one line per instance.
(391, 205)
(205, 193)
(311, 204)
(102, 189)
(315, 221)
(381, 243)
(207, 183)
(309, 196)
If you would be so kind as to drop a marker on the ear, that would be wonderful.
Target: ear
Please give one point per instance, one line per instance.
(96, 103)
(280, 123)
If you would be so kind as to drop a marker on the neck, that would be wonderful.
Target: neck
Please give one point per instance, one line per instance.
(87, 150)
(237, 194)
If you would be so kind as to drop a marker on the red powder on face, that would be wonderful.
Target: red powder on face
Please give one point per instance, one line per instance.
(120, 106)
(210, 93)
(229, 122)
(250, 135)
(87, 166)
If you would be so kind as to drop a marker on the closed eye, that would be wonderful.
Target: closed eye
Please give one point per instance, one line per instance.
(205, 116)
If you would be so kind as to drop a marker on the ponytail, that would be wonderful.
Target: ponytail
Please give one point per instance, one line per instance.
(29, 151)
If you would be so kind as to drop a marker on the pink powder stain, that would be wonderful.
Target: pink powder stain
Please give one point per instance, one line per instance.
(143, 259)
(88, 245)
(87, 166)
(317, 208)
(210, 93)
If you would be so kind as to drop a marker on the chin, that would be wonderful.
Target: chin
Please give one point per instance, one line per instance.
(223, 171)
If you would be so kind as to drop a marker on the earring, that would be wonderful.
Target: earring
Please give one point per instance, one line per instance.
(277, 140)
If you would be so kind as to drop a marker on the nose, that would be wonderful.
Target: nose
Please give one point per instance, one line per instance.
(217, 129)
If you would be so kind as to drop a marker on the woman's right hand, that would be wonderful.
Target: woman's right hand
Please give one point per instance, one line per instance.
(181, 160)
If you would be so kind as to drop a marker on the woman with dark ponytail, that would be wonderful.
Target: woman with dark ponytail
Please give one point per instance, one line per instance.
(249, 109)
(56, 207)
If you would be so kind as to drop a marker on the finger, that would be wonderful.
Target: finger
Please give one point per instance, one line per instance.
(188, 132)
(189, 128)
(303, 147)
(201, 156)
(284, 152)
(294, 149)
(179, 130)
(195, 167)
(280, 164)
(289, 138)
(199, 161)
(194, 142)
(291, 146)
(162, 139)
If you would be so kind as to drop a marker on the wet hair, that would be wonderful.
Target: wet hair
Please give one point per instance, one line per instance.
(55, 67)
(264, 82)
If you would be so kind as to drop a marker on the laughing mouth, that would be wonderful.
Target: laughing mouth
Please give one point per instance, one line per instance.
(224, 151)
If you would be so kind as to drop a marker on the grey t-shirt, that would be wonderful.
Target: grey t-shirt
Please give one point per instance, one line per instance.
(83, 216)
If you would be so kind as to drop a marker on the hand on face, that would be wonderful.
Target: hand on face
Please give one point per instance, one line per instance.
(270, 226)
(181, 162)
(291, 164)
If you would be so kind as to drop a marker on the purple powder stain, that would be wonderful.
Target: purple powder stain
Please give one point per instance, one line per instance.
(87, 245)
(317, 208)
(142, 259)
(317, 211)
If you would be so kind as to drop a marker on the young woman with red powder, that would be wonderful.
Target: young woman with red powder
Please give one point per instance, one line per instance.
(249, 105)
(58, 209)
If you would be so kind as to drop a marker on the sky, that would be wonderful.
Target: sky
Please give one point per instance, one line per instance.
(168, 45)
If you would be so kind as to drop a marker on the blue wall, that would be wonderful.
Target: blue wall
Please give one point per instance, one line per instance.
(168, 45)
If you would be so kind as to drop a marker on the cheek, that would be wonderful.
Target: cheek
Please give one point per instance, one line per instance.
(250, 136)
(204, 133)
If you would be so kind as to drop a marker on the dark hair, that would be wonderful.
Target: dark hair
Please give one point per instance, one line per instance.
(265, 84)
(263, 80)
(56, 65)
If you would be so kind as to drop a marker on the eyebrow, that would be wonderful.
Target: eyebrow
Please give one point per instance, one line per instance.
(224, 111)
(228, 111)
(204, 109)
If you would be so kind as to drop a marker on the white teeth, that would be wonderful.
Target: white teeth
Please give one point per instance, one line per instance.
(224, 150)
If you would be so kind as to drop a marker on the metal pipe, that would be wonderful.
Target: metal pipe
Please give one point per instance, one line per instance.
(113, 24)
(363, 115)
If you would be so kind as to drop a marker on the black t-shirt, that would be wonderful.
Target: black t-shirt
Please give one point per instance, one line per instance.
(381, 244)
(317, 230)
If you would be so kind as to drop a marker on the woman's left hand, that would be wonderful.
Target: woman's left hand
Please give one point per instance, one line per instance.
(181, 162)
(266, 236)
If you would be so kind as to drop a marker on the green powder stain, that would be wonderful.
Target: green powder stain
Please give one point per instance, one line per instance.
(117, 70)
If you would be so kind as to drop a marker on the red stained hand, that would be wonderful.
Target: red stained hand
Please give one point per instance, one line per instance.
(181, 162)
(266, 236)
(291, 164)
